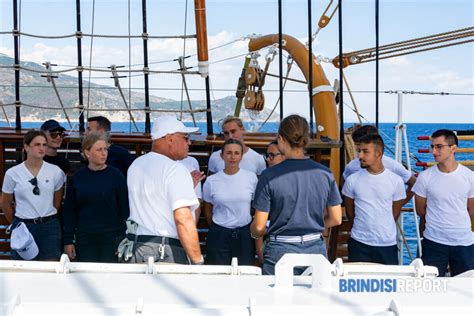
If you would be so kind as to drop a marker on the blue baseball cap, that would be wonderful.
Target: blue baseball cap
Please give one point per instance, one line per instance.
(52, 126)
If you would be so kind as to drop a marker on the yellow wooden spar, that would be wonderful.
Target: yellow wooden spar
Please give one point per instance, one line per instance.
(324, 104)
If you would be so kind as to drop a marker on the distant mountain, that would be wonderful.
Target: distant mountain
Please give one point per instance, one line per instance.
(35, 90)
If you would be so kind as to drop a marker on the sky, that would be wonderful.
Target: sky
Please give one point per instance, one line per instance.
(229, 22)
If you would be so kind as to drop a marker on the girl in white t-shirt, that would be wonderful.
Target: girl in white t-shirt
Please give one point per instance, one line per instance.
(37, 187)
(227, 198)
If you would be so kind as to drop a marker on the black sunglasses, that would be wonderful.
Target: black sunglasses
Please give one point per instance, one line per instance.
(271, 155)
(56, 134)
(36, 189)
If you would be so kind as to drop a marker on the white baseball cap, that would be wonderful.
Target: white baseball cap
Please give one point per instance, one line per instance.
(165, 125)
(23, 242)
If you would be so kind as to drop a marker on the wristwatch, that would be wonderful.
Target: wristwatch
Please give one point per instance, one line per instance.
(199, 262)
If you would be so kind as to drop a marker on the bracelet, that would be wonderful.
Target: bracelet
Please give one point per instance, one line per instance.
(254, 237)
(198, 263)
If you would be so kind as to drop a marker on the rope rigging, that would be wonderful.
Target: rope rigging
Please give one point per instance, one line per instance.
(50, 78)
(116, 77)
(76, 35)
(201, 110)
(412, 46)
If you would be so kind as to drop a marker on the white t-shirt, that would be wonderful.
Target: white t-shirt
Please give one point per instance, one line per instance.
(373, 196)
(231, 197)
(50, 179)
(192, 164)
(157, 186)
(251, 161)
(447, 218)
(354, 165)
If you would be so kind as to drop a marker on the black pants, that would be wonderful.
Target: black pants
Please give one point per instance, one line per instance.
(360, 252)
(97, 247)
(459, 258)
(225, 243)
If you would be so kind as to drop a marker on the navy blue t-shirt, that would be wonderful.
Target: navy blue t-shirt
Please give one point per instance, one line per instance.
(120, 158)
(296, 193)
(96, 201)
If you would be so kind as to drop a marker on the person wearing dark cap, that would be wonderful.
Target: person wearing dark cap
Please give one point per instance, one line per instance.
(118, 156)
(54, 136)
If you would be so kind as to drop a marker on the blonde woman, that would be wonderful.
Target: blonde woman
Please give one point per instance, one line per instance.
(96, 206)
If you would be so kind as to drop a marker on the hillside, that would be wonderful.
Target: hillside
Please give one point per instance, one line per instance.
(35, 90)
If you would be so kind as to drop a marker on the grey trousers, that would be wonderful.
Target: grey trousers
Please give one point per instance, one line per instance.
(169, 253)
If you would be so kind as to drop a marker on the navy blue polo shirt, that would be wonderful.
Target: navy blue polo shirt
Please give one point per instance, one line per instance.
(296, 193)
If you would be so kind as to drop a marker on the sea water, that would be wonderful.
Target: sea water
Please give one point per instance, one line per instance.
(387, 130)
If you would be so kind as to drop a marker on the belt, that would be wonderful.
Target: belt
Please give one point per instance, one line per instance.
(155, 239)
(38, 220)
(303, 238)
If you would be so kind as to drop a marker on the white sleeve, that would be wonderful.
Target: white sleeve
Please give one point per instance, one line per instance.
(253, 181)
(198, 190)
(212, 165)
(198, 187)
(60, 179)
(401, 171)
(347, 188)
(471, 191)
(180, 188)
(349, 169)
(206, 191)
(399, 192)
(261, 165)
(195, 164)
(8, 183)
(420, 187)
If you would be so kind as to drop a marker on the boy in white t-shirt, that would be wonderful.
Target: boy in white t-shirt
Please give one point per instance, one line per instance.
(354, 165)
(445, 199)
(374, 198)
(233, 128)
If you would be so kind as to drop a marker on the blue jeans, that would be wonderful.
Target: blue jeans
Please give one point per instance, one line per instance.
(47, 237)
(274, 250)
(459, 258)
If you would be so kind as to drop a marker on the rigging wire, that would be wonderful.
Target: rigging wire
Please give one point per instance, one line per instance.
(184, 54)
(233, 90)
(388, 137)
(129, 65)
(110, 36)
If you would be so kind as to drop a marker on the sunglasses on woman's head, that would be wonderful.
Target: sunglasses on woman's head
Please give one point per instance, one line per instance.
(36, 189)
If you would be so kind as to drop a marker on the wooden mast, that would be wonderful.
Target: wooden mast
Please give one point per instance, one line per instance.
(203, 57)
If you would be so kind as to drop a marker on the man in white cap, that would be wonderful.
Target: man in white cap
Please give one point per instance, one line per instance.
(161, 195)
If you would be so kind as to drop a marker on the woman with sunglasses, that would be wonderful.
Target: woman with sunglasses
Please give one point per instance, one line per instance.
(37, 187)
(227, 198)
(273, 156)
(96, 206)
(54, 138)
